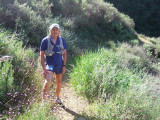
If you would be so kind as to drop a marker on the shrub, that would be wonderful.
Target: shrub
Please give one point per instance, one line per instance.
(103, 20)
(119, 91)
(21, 82)
(136, 57)
(29, 19)
(32, 24)
(4, 41)
(129, 105)
(100, 74)
(6, 80)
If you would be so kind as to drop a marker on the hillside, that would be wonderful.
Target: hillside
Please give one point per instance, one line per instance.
(145, 14)
(109, 64)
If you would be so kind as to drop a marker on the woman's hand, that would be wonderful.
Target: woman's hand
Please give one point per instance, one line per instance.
(45, 71)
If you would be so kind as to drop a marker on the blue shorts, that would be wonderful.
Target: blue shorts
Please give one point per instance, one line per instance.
(56, 68)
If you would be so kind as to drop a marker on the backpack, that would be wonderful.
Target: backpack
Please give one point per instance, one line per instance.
(49, 51)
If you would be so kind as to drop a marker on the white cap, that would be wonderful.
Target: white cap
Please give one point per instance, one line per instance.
(54, 25)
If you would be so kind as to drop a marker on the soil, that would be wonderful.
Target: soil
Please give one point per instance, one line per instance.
(75, 105)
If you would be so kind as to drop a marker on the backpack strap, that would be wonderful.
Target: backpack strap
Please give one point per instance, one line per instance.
(49, 51)
(50, 46)
(61, 45)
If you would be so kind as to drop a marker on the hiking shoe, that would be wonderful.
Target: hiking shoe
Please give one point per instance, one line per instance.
(59, 102)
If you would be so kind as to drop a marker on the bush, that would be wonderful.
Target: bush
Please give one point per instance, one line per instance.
(22, 81)
(29, 19)
(32, 24)
(121, 89)
(100, 75)
(6, 80)
(129, 105)
(103, 20)
(4, 41)
(136, 57)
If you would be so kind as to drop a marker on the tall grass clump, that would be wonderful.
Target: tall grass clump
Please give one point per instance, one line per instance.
(136, 57)
(122, 83)
(131, 104)
(4, 40)
(100, 74)
(6, 80)
(154, 45)
(140, 103)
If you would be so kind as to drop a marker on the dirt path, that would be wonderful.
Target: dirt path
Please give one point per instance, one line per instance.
(74, 105)
(144, 40)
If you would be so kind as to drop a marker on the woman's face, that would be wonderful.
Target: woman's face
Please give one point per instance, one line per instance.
(55, 32)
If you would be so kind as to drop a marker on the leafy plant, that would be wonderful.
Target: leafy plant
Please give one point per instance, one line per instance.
(6, 80)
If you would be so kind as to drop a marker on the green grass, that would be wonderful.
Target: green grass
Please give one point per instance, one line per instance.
(100, 73)
(130, 104)
(120, 89)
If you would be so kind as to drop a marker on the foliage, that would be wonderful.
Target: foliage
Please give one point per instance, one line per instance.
(154, 47)
(6, 80)
(129, 105)
(3, 41)
(136, 57)
(100, 73)
(103, 75)
(98, 21)
(118, 83)
(33, 24)
(142, 11)
(29, 19)
(38, 112)
(18, 76)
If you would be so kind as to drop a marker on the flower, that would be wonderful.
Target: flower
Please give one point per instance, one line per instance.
(10, 109)
(19, 70)
(19, 101)
(19, 113)
(9, 93)
(3, 73)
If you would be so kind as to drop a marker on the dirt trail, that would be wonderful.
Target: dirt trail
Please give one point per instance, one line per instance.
(144, 40)
(74, 105)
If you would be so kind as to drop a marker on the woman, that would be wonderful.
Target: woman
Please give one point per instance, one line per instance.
(55, 61)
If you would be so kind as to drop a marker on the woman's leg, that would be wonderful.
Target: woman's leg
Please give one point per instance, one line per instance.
(58, 84)
(48, 80)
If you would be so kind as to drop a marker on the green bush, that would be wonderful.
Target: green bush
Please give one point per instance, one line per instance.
(118, 83)
(4, 41)
(136, 57)
(129, 105)
(31, 23)
(100, 74)
(6, 80)
(101, 21)
(31, 18)
(22, 80)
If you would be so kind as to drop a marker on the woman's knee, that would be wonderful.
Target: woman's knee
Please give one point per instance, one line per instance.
(58, 78)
